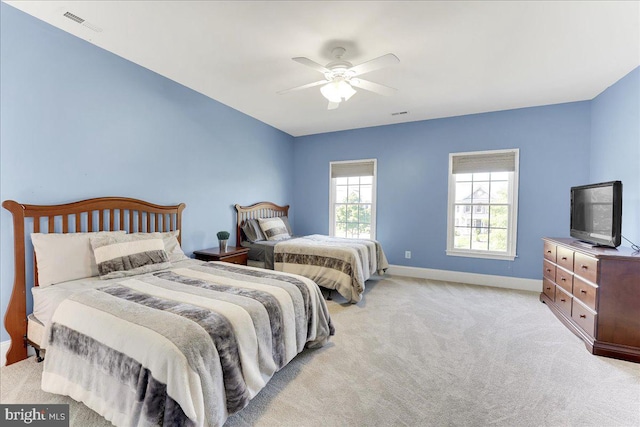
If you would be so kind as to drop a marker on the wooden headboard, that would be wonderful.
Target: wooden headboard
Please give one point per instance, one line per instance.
(257, 210)
(99, 214)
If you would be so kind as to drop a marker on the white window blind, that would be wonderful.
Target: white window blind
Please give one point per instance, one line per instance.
(347, 169)
(497, 161)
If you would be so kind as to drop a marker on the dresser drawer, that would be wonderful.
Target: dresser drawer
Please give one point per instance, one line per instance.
(550, 251)
(564, 279)
(584, 317)
(585, 292)
(586, 267)
(549, 288)
(549, 270)
(563, 301)
(564, 258)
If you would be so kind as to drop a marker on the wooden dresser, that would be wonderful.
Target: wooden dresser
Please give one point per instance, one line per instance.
(595, 292)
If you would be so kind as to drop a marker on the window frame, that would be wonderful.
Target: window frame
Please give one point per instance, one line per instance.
(332, 194)
(512, 225)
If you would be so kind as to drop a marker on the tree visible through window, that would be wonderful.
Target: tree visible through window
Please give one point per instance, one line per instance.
(353, 206)
(353, 199)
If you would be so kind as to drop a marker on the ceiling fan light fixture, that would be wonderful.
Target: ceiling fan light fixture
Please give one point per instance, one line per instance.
(339, 82)
(337, 91)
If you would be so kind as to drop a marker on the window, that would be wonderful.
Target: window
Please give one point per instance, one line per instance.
(352, 209)
(483, 204)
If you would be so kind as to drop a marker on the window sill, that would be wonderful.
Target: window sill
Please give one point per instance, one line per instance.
(478, 254)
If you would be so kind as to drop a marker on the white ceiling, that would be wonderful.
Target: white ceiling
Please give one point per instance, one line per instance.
(456, 58)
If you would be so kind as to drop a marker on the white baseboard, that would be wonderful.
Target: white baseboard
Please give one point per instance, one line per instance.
(4, 347)
(518, 283)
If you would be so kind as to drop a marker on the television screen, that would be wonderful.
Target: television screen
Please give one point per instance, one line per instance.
(596, 213)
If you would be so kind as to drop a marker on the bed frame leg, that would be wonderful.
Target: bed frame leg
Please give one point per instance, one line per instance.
(36, 348)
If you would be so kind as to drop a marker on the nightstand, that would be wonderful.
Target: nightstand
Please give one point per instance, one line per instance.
(234, 255)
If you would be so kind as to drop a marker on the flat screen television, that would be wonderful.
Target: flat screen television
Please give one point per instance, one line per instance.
(596, 213)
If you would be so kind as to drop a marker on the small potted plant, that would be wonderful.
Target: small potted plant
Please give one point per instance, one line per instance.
(223, 238)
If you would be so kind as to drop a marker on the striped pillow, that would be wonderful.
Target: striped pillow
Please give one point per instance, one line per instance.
(273, 228)
(128, 255)
(252, 231)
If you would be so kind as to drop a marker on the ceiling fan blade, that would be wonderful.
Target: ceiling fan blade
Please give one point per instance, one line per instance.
(309, 63)
(374, 64)
(373, 87)
(308, 85)
(333, 105)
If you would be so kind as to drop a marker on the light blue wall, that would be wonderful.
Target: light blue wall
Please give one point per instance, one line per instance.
(413, 171)
(79, 122)
(615, 146)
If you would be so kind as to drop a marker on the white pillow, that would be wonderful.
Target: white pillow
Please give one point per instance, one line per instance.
(65, 256)
(171, 244)
(274, 228)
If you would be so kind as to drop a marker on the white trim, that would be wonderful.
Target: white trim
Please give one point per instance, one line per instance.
(4, 348)
(477, 254)
(518, 283)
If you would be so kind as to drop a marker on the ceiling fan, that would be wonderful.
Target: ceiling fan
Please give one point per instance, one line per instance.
(340, 77)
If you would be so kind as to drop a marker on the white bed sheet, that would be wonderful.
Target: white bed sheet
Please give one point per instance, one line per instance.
(48, 298)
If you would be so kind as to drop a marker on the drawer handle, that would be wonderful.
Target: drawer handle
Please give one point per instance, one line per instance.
(549, 288)
(582, 291)
(548, 252)
(563, 300)
(563, 279)
(584, 267)
(582, 316)
(564, 258)
(548, 270)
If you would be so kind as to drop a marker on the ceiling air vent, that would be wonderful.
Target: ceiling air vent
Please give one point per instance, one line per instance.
(74, 17)
(79, 20)
(399, 113)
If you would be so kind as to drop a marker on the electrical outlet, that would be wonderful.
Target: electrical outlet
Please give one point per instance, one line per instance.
(407, 254)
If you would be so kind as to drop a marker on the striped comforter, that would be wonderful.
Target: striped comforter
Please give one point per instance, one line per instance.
(332, 262)
(185, 346)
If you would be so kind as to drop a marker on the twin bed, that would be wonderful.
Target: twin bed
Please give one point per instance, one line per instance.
(333, 263)
(157, 338)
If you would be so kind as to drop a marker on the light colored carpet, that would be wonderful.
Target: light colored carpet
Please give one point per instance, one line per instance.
(425, 353)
